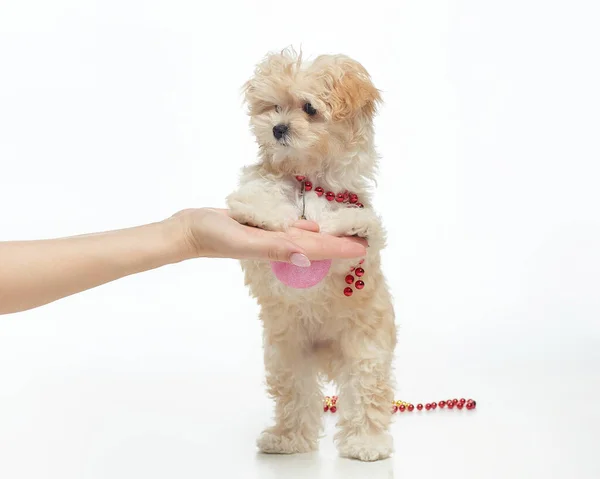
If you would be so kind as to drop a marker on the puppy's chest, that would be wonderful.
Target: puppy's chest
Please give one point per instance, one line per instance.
(314, 208)
(317, 203)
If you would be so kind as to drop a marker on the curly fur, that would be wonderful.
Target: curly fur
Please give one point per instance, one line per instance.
(319, 334)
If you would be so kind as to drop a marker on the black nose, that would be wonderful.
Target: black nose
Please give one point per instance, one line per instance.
(279, 131)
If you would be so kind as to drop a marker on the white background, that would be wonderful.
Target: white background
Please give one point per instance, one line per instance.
(117, 113)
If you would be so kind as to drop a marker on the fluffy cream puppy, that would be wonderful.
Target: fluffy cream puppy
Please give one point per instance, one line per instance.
(313, 122)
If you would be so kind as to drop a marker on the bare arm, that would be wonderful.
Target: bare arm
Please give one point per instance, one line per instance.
(34, 273)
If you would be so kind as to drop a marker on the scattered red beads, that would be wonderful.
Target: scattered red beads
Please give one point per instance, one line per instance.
(350, 279)
(319, 191)
(359, 284)
(348, 291)
(330, 404)
(359, 272)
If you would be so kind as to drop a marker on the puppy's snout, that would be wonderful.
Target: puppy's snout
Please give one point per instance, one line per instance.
(279, 131)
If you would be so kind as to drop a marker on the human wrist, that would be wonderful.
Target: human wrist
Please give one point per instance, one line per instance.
(178, 238)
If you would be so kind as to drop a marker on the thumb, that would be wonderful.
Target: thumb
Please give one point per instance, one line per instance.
(283, 250)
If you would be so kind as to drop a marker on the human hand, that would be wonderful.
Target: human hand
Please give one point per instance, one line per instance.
(210, 232)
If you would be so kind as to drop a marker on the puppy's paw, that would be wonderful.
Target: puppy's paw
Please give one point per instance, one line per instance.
(367, 448)
(272, 442)
(360, 222)
(275, 218)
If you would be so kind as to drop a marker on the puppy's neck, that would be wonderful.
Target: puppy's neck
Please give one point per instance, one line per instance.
(353, 173)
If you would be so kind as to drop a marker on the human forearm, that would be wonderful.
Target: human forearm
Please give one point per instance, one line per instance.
(34, 273)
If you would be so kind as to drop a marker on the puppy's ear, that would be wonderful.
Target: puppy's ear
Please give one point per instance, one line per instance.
(348, 89)
(275, 72)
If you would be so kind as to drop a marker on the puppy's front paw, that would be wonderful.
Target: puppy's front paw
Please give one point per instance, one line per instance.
(367, 448)
(276, 218)
(355, 222)
(272, 442)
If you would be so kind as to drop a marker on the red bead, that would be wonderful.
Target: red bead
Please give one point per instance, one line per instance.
(361, 261)
(462, 401)
(402, 408)
(433, 405)
(410, 407)
(333, 409)
(339, 197)
(442, 403)
(330, 196)
(455, 401)
(359, 284)
(450, 405)
(420, 407)
(326, 408)
(359, 272)
(360, 205)
(460, 405)
(471, 404)
(352, 269)
(307, 186)
(428, 406)
(319, 191)
(353, 198)
(346, 195)
(300, 178)
(350, 279)
(348, 291)
(395, 409)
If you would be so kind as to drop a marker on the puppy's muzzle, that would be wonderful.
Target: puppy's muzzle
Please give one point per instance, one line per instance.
(279, 131)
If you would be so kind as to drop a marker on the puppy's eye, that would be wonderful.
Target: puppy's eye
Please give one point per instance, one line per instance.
(277, 108)
(309, 109)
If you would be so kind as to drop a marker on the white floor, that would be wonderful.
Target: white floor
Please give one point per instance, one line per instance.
(154, 397)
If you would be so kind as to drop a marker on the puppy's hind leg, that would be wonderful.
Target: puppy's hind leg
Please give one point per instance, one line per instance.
(293, 382)
(366, 395)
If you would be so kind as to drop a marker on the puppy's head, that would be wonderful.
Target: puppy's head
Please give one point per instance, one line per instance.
(306, 115)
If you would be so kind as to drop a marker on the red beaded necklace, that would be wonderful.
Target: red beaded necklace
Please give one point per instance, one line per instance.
(351, 199)
(330, 404)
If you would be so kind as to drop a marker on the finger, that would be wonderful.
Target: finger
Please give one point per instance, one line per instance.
(318, 246)
(307, 226)
(276, 247)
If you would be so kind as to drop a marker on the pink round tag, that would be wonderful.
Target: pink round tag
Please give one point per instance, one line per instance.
(299, 278)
